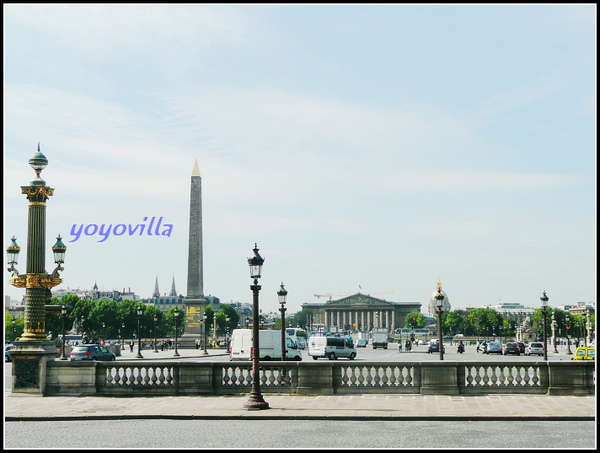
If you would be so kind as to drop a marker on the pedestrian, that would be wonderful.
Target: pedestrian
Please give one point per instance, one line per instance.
(131, 345)
(400, 346)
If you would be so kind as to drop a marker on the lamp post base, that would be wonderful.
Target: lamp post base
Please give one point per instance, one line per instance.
(256, 403)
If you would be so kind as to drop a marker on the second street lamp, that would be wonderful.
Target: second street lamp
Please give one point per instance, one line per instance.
(140, 312)
(204, 319)
(155, 342)
(568, 336)
(439, 299)
(282, 294)
(255, 401)
(554, 333)
(544, 300)
(176, 316)
(63, 310)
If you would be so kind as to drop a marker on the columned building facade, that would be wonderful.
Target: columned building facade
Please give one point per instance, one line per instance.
(360, 312)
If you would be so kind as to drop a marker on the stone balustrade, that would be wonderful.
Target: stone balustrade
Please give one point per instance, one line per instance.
(168, 377)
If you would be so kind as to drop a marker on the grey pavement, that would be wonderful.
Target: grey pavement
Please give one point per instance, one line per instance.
(23, 407)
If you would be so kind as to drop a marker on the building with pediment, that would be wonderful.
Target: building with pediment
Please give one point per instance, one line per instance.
(361, 312)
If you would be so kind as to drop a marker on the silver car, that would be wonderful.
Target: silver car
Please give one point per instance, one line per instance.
(493, 348)
(534, 348)
(92, 352)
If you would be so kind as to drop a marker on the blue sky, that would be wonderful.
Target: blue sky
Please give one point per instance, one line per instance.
(361, 146)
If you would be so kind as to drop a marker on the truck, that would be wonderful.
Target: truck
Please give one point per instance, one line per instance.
(269, 345)
(379, 338)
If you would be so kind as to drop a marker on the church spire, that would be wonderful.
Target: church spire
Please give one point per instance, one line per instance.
(173, 290)
(156, 293)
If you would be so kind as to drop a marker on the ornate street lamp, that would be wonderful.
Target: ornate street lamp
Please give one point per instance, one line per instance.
(176, 316)
(36, 281)
(13, 322)
(544, 300)
(568, 321)
(123, 335)
(227, 319)
(282, 294)
(81, 327)
(255, 401)
(589, 329)
(553, 323)
(63, 311)
(584, 324)
(439, 300)
(204, 319)
(140, 312)
(155, 342)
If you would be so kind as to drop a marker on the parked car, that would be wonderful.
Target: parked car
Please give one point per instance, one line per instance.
(534, 348)
(7, 356)
(434, 346)
(521, 347)
(583, 353)
(493, 348)
(92, 352)
(511, 348)
(361, 343)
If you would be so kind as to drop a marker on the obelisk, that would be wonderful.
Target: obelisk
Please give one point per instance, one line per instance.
(194, 301)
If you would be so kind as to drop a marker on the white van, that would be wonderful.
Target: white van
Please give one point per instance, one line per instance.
(269, 345)
(331, 347)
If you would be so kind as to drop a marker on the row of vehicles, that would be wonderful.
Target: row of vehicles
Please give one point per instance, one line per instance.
(270, 346)
(516, 348)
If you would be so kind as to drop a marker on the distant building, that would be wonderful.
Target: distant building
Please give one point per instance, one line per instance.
(511, 309)
(580, 307)
(96, 294)
(433, 302)
(361, 312)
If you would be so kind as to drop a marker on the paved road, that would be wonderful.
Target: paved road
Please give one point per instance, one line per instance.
(391, 354)
(298, 434)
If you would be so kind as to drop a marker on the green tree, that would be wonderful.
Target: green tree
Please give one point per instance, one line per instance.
(455, 322)
(477, 319)
(8, 327)
(210, 314)
(415, 318)
(234, 318)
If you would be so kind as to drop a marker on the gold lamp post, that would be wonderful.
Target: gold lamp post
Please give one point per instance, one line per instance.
(33, 349)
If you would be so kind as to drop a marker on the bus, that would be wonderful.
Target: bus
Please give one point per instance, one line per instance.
(298, 336)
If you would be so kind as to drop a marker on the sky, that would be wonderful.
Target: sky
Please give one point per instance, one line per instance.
(363, 148)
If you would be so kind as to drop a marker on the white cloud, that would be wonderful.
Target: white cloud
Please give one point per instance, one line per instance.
(103, 30)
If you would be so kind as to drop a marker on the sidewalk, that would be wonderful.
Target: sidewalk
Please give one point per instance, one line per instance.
(22, 407)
